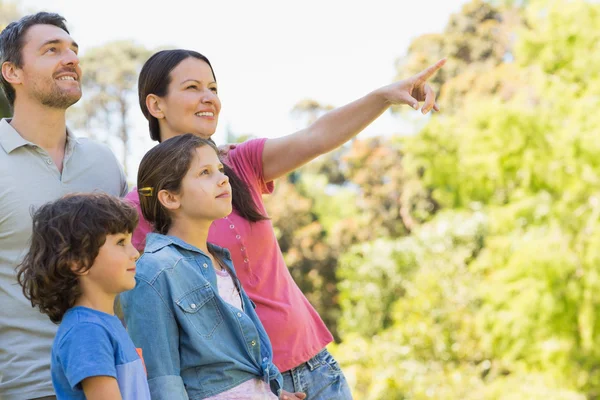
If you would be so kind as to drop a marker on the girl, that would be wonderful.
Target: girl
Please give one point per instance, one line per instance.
(178, 94)
(198, 330)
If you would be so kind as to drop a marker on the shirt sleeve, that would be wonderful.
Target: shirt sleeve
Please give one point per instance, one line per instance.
(153, 328)
(143, 228)
(246, 160)
(86, 351)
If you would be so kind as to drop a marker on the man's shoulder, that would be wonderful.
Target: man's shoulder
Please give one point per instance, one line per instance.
(88, 144)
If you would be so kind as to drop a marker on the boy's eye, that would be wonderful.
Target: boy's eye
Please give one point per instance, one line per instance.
(214, 90)
(121, 242)
(51, 50)
(192, 87)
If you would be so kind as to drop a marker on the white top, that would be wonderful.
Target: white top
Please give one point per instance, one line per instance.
(227, 289)
(254, 389)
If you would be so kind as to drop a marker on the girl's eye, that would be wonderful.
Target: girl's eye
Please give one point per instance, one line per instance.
(214, 90)
(51, 50)
(121, 242)
(192, 87)
(204, 172)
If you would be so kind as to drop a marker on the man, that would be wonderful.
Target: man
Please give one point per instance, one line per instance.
(40, 160)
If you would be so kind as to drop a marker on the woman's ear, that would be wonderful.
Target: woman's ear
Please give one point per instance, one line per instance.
(170, 201)
(153, 104)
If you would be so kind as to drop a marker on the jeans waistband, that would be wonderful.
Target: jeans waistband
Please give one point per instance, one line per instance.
(316, 360)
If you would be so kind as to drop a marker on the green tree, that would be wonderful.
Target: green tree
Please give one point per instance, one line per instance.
(493, 297)
(476, 41)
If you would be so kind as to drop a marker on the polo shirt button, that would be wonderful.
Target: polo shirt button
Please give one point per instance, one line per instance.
(48, 161)
(243, 249)
(253, 343)
(193, 305)
(205, 265)
(231, 226)
(265, 359)
(238, 237)
(246, 260)
(239, 315)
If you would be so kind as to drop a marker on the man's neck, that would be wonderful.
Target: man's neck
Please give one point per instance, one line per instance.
(41, 125)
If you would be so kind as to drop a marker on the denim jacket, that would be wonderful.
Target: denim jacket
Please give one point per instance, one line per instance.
(194, 344)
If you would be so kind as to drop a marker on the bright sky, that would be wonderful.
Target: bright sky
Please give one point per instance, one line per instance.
(267, 54)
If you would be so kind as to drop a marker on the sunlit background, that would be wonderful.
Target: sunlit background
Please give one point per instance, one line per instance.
(453, 256)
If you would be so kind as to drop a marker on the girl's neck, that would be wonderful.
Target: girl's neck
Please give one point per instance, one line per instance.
(191, 232)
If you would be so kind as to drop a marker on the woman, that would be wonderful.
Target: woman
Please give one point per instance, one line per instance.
(178, 94)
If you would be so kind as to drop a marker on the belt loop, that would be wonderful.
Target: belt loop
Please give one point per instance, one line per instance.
(315, 361)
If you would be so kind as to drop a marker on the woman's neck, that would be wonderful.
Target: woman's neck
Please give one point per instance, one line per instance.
(191, 232)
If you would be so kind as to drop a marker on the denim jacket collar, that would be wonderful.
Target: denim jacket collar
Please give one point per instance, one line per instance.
(155, 242)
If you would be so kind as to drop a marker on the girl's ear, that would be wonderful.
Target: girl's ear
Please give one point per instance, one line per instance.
(153, 104)
(170, 201)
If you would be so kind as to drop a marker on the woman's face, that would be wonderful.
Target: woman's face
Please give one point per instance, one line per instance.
(191, 104)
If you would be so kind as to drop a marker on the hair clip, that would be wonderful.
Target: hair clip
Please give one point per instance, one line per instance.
(146, 191)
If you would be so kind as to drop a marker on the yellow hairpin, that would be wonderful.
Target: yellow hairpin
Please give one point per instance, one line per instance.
(146, 191)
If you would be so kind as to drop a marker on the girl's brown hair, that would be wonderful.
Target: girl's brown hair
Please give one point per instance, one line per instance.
(163, 168)
(155, 78)
(67, 236)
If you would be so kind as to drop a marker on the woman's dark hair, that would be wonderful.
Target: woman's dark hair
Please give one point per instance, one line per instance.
(67, 236)
(155, 78)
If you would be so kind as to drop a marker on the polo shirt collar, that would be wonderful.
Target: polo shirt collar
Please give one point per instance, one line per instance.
(10, 139)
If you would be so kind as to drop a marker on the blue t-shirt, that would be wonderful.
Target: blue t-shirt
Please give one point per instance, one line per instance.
(92, 343)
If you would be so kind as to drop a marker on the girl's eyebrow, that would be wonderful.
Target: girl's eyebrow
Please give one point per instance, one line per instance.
(211, 165)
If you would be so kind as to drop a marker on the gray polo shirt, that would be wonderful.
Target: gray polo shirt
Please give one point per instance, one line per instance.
(29, 178)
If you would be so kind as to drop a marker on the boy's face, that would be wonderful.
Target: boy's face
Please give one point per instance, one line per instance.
(113, 270)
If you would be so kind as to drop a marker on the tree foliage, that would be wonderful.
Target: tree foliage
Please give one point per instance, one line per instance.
(491, 291)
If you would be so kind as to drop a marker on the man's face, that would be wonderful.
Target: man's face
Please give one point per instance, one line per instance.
(50, 73)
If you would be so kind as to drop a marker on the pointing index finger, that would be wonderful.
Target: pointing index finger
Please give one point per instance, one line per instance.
(430, 71)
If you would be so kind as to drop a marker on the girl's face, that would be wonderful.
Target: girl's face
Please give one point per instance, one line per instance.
(191, 104)
(205, 191)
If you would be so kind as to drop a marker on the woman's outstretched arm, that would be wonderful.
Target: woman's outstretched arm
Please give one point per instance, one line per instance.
(285, 154)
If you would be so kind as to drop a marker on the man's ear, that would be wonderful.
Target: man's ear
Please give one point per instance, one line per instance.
(11, 73)
(170, 201)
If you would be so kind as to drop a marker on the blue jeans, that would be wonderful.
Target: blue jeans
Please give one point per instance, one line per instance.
(320, 378)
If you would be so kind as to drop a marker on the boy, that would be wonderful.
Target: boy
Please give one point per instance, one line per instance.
(81, 258)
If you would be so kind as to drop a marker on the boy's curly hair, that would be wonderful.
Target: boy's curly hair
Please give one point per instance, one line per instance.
(67, 236)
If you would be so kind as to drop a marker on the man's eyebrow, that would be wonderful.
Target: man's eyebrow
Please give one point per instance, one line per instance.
(59, 41)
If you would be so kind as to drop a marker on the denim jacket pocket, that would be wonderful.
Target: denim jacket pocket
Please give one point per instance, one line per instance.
(201, 310)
